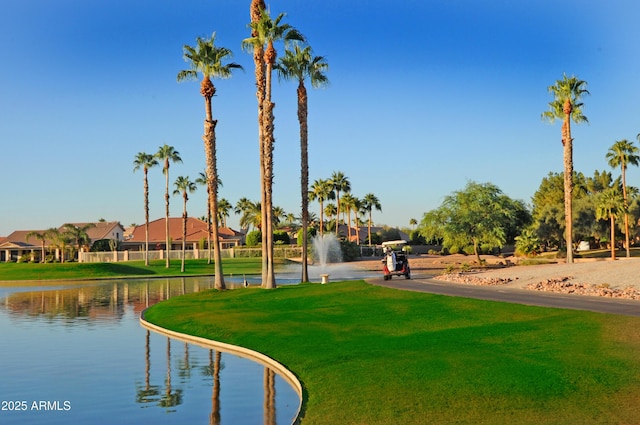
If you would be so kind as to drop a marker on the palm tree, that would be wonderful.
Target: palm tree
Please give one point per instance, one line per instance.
(413, 222)
(58, 240)
(623, 153)
(209, 60)
(322, 190)
(567, 106)
(299, 65)
(264, 32)
(224, 208)
(370, 202)
(167, 154)
(330, 210)
(184, 186)
(610, 205)
(251, 214)
(145, 161)
(78, 234)
(347, 203)
(340, 184)
(42, 236)
(202, 180)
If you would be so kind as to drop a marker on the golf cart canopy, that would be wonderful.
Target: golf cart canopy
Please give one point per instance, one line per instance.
(398, 243)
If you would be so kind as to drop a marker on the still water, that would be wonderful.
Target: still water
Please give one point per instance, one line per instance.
(76, 353)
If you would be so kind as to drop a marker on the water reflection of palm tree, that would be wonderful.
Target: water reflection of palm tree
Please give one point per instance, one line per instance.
(213, 369)
(149, 392)
(269, 397)
(170, 398)
(185, 367)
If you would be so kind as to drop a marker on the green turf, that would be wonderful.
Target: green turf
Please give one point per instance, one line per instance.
(373, 355)
(56, 271)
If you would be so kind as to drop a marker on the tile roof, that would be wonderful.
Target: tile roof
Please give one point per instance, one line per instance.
(196, 231)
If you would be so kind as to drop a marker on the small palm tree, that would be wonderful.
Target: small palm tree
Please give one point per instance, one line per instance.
(622, 154)
(322, 190)
(210, 61)
(299, 65)
(167, 154)
(340, 184)
(566, 106)
(372, 202)
(610, 205)
(184, 186)
(145, 161)
(251, 214)
(78, 234)
(224, 209)
(42, 237)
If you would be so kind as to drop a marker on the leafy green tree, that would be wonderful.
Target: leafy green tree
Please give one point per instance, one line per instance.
(253, 238)
(622, 154)
(566, 106)
(145, 161)
(611, 205)
(184, 186)
(298, 65)
(322, 190)
(210, 61)
(167, 154)
(477, 215)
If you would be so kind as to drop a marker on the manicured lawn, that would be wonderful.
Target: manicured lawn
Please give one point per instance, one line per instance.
(53, 271)
(373, 355)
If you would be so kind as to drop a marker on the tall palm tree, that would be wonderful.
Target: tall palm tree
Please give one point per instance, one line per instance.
(566, 106)
(622, 154)
(42, 237)
(184, 186)
(372, 202)
(347, 204)
(610, 205)
(265, 31)
(167, 154)
(299, 65)
(210, 61)
(322, 190)
(58, 240)
(340, 184)
(145, 161)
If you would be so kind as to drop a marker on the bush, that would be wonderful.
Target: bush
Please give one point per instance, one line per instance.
(311, 232)
(350, 251)
(281, 237)
(254, 238)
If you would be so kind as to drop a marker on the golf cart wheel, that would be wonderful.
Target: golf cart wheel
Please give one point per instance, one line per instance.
(407, 276)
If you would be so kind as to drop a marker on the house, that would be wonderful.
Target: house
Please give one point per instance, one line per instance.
(17, 244)
(197, 235)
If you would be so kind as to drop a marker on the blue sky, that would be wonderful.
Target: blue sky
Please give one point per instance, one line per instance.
(425, 95)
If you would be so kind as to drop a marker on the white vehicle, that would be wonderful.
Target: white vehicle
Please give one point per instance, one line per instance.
(395, 261)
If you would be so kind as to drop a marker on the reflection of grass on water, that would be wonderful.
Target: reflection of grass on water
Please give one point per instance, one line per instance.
(374, 355)
(57, 271)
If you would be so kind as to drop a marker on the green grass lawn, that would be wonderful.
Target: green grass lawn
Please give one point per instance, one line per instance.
(373, 355)
(57, 271)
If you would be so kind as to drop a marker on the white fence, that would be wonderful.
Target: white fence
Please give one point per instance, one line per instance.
(176, 254)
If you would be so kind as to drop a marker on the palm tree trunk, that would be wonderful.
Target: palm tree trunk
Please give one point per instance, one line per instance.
(567, 143)
(209, 139)
(146, 218)
(613, 240)
(321, 219)
(369, 229)
(626, 213)
(337, 211)
(184, 231)
(166, 215)
(304, 173)
(267, 134)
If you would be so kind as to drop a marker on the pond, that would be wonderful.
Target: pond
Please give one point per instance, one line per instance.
(76, 353)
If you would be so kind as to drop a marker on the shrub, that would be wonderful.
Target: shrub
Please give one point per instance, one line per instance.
(281, 237)
(254, 238)
(350, 251)
(311, 232)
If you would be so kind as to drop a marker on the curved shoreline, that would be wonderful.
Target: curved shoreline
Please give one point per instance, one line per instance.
(252, 355)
